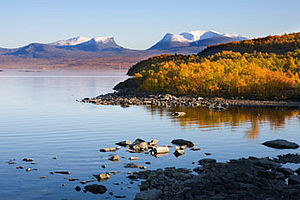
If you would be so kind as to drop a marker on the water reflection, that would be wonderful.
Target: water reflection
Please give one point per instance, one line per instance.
(253, 118)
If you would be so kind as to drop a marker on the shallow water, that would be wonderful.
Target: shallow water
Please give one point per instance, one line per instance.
(40, 118)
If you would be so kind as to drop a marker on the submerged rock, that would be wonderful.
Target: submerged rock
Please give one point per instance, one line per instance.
(109, 149)
(182, 142)
(115, 158)
(96, 189)
(281, 144)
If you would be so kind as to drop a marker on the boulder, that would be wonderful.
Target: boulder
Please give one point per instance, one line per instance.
(139, 145)
(182, 142)
(159, 150)
(153, 142)
(96, 189)
(109, 149)
(114, 158)
(294, 180)
(124, 143)
(281, 144)
(178, 153)
(102, 177)
(152, 194)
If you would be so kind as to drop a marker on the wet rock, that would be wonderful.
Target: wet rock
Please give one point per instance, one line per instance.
(294, 179)
(63, 185)
(77, 188)
(139, 145)
(178, 153)
(11, 162)
(153, 142)
(103, 166)
(183, 147)
(102, 177)
(73, 179)
(20, 167)
(179, 114)
(62, 172)
(28, 169)
(120, 196)
(96, 189)
(148, 163)
(115, 158)
(195, 149)
(159, 150)
(115, 172)
(124, 143)
(109, 149)
(207, 154)
(133, 158)
(181, 142)
(134, 165)
(206, 160)
(28, 159)
(151, 194)
(42, 177)
(55, 157)
(281, 144)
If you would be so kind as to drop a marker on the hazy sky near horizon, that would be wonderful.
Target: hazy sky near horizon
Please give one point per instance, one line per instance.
(138, 24)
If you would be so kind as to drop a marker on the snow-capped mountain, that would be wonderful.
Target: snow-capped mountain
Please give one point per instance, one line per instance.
(192, 38)
(89, 44)
(71, 41)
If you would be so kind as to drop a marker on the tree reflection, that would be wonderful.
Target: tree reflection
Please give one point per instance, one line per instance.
(250, 118)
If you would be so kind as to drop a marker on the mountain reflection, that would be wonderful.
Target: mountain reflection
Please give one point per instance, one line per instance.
(250, 118)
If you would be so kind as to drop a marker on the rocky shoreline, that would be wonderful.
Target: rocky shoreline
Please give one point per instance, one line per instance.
(245, 178)
(128, 98)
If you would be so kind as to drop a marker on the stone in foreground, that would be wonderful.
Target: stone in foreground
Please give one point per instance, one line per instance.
(124, 143)
(152, 194)
(281, 144)
(139, 145)
(96, 189)
(182, 142)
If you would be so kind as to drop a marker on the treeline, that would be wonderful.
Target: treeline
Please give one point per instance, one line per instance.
(271, 44)
(256, 75)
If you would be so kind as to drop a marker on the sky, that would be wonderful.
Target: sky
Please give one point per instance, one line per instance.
(138, 24)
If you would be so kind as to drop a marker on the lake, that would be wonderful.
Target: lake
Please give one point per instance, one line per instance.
(41, 119)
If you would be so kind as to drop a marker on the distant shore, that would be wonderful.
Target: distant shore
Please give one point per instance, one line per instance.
(128, 98)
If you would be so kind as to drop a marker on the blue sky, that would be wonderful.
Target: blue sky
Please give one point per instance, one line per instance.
(139, 24)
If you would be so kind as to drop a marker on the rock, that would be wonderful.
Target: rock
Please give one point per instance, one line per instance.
(178, 153)
(159, 150)
(133, 158)
(11, 162)
(207, 154)
(139, 145)
(115, 158)
(102, 177)
(62, 172)
(42, 177)
(28, 169)
(206, 160)
(55, 157)
(28, 159)
(151, 194)
(134, 165)
(148, 163)
(181, 142)
(63, 185)
(103, 166)
(73, 179)
(153, 142)
(286, 171)
(298, 171)
(294, 179)
(20, 167)
(115, 172)
(96, 189)
(281, 144)
(183, 147)
(109, 149)
(124, 143)
(179, 114)
(77, 188)
(195, 149)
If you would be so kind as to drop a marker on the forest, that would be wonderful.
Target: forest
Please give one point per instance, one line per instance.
(263, 68)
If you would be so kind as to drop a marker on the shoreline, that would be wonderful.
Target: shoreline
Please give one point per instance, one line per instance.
(129, 98)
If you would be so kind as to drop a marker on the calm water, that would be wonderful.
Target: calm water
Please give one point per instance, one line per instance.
(40, 118)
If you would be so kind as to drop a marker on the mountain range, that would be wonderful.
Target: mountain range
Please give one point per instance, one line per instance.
(104, 50)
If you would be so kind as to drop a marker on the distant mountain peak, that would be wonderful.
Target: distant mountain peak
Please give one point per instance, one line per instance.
(104, 39)
(71, 42)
